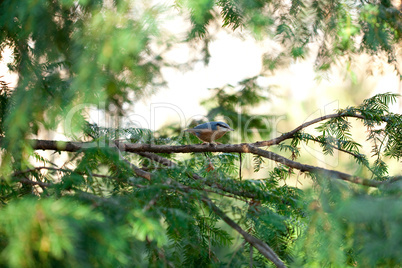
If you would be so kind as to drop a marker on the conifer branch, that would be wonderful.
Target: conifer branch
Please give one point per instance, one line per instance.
(262, 247)
(197, 148)
(308, 168)
(139, 172)
(290, 134)
(246, 194)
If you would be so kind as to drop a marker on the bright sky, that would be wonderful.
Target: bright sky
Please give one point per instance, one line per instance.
(231, 61)
(5, 75)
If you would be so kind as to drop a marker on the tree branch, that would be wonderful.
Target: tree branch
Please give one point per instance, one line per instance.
(290, 134)
(303, 168)
(197, 148)
(213, 184)
(262, 247)
(139, 172)
(31, 182)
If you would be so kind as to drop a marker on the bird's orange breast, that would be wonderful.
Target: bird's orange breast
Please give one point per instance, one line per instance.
(208, 135)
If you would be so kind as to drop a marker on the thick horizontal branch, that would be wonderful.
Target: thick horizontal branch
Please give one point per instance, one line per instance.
(77, 146)
(198, 148)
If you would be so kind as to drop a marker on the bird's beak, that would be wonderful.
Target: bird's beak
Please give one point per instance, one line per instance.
(231, 129)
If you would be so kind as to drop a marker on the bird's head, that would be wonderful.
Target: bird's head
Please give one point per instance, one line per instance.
(221, 126)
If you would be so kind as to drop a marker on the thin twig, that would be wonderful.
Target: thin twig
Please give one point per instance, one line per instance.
(20, 172)
(251, 256)
(31, 182)
(240, 166)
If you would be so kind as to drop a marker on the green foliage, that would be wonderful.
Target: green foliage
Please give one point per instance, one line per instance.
(201, 15)
(336, 134)
(61, 233)
(354, 228)
(336, 25)
(70, 55)
(94, 210)
(140, 135)
(231, 14)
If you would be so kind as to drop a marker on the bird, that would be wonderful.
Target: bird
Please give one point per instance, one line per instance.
(210, 131)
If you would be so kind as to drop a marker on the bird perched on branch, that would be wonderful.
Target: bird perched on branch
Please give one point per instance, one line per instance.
(210, 131)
